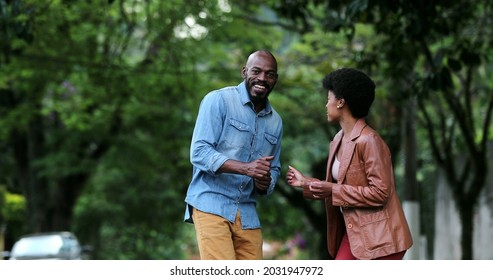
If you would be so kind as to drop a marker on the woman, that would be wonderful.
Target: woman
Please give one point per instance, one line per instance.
(365, 219)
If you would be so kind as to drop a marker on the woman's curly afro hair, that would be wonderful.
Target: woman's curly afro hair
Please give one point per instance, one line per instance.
(357, 89)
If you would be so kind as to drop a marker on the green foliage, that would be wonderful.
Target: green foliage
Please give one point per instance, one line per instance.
(12, 213)
(13, 208)
(98, 102)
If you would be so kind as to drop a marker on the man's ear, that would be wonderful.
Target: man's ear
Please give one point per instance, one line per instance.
(243, 72)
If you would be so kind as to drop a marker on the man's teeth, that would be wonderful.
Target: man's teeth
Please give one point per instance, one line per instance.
(259, 86)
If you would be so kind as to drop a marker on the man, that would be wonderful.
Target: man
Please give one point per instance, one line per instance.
(235, 152)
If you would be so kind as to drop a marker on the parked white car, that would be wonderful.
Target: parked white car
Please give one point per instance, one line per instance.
(50, 245)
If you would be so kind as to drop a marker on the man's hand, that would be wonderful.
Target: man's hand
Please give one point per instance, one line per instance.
(259, 170)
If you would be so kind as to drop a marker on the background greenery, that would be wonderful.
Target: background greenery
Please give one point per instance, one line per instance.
(98, 100)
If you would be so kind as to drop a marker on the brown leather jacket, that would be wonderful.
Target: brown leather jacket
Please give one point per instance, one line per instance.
(364, 201)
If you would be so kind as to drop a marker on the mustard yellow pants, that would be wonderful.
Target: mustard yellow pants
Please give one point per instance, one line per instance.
(219, 239)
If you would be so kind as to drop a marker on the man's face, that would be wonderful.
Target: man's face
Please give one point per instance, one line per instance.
(260, 75)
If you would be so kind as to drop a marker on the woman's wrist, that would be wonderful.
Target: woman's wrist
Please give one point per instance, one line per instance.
(305, 183)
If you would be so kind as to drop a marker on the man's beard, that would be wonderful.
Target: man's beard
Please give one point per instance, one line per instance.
(257, 98)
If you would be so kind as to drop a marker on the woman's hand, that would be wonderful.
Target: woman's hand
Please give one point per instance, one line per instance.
(320, 189)
(294, 177)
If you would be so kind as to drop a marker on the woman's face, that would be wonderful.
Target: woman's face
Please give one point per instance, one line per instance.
(333, 112)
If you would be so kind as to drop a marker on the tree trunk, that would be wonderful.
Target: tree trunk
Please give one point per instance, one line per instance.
(37, 196)
(411, 197)
(467, 219)
(64, 199)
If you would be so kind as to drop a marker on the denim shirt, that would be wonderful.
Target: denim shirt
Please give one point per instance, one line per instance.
(228, 127)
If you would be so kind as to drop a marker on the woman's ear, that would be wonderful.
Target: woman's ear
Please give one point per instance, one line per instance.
(341, 102)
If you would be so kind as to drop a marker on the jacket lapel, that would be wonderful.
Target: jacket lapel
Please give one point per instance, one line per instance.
(347, 154)
(332, 152)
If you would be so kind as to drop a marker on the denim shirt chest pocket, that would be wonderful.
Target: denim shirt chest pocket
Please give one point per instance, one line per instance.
(269, 145)
(234, 139)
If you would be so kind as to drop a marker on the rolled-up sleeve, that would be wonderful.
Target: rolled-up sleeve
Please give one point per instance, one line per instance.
(203, 154)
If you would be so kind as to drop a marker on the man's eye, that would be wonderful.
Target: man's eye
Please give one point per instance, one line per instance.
(271, 75)
(255, 71)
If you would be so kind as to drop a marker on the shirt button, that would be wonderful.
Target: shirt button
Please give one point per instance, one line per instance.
(349, 226)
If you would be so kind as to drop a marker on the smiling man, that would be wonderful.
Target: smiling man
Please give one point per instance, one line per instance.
(235, 153)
